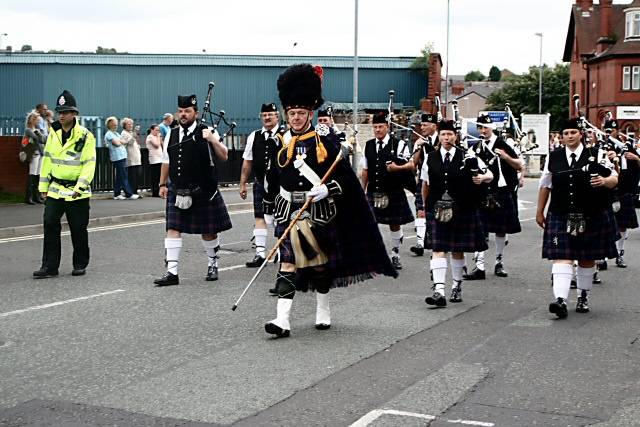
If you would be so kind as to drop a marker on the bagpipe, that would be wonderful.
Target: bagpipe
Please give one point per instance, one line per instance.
(524, 141)
(596, 163)
(404, 178)
(215, 118)
(471, 151)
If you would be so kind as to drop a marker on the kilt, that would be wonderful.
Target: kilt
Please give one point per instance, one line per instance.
(398, 212)
(203, 217)
(327, 237)
(419, 202)
(502, 220)
(626, 217)
(464, 233)
(258, 197)
(597, 242)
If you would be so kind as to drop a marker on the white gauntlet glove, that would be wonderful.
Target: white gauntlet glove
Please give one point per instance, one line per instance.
(318, 192)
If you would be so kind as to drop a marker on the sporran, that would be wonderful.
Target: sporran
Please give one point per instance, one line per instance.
(576, 224)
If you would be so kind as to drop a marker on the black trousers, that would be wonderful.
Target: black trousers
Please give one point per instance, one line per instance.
(133, 172)
(154, 178)
(77, 213)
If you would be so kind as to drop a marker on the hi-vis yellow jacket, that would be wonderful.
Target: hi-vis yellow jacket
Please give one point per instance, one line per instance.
(74, 163)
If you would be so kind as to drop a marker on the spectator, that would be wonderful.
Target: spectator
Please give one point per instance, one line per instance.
(154, 145)
(134, 157)
(34, 150)
(43, 119)
(118, 157)
(165, 126)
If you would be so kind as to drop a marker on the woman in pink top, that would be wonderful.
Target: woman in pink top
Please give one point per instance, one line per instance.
(154, 145)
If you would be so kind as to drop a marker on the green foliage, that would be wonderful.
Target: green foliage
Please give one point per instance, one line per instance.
(474, 76)
(421, 63)
(55, 51)
(26, 48)
(105, 50)
(521, 92)
(495, 74)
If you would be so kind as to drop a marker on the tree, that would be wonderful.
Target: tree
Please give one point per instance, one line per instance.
(474, 76)
(26, 48)
(105, 50)
(495, 74)
(421, 63)
(521, 92)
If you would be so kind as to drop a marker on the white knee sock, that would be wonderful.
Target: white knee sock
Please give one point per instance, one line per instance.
(480, 260)
(500, 244)
(396, 241)
(260, 235)
(620, 244)
(456, 270)
(562, 274)
(421, 228)
(439, 270)
(585, 279)
(211, 248)
(173, 247)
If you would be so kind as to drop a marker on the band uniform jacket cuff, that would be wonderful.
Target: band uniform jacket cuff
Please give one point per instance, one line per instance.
(334, 188)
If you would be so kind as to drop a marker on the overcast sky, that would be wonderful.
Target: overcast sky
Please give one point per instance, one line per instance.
(483, 33)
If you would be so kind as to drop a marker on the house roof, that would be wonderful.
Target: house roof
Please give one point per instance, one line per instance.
(584, 29)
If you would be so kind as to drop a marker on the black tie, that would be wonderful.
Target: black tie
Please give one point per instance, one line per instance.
(573, 161)
(268, 134)
(185, 132)
(380, 142)
(447, 160)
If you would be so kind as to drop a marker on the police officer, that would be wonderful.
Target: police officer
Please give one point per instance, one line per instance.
(188, 181)
(579, 224)
(65, 178)
(382, 179)
(423, 146)
(260, 156)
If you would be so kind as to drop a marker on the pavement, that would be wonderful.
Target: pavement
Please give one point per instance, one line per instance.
(110, 349)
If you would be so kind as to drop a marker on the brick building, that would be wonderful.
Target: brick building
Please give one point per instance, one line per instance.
(603, 46)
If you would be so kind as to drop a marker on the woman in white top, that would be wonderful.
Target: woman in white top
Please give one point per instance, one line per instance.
(154, 145)
(134, 157)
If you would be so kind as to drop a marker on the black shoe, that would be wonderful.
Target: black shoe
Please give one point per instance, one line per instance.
(29, 202)
(602, 265)
(212, 273)
(476, 274)
(500, 271)
(255, 262)
(456, 293)
(596, 280)
(559, 308)
(583, 305)
(620, 260)
(395, 262)
(436, 299)
(44, 273)
(574, 284)
(276, 330)
(79, 272)
(417, 249)
(274, 291)
(322, 326)
(167, 279)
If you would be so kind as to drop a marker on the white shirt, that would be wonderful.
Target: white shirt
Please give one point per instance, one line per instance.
(403, 150)
(248, 149)
(424, 174)
(491, 141)
(545, 178)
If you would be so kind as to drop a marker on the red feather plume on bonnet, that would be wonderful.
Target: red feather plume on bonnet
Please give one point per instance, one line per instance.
(319, 71)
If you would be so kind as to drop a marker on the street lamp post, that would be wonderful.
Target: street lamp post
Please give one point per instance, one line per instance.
(355, 85)
(540, 79)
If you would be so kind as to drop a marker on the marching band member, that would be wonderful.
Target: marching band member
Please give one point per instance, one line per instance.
(579, 224)
(336, 242)
(449, 188)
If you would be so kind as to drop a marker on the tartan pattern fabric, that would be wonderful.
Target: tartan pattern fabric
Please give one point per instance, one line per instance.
(502, 220)
(203, 217)
(258, 197)
(597, 242)
(464, 233)
(419, 202)
(626, 217)
(398, 211)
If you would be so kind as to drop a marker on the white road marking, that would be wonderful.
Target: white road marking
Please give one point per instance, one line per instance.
(377, 413)
(57, 303)
(233, 267)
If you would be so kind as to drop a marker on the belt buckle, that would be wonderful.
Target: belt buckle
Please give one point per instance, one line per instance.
(298, 196)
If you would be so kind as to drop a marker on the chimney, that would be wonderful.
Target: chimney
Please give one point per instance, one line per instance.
(586, 6)
(605, 39)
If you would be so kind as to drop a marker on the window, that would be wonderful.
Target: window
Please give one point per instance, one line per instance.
(631, 77)
(635, 78)
(633, 24)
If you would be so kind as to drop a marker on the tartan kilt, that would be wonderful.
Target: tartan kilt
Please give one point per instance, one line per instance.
(398, 212)
(203, 217)
(419, 202)
(258, 197)
(464, 233)
(626, 217)
(597, 242)
(326, 235)
(502, 220)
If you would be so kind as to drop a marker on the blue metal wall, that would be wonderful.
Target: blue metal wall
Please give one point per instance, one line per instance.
(146, 92)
